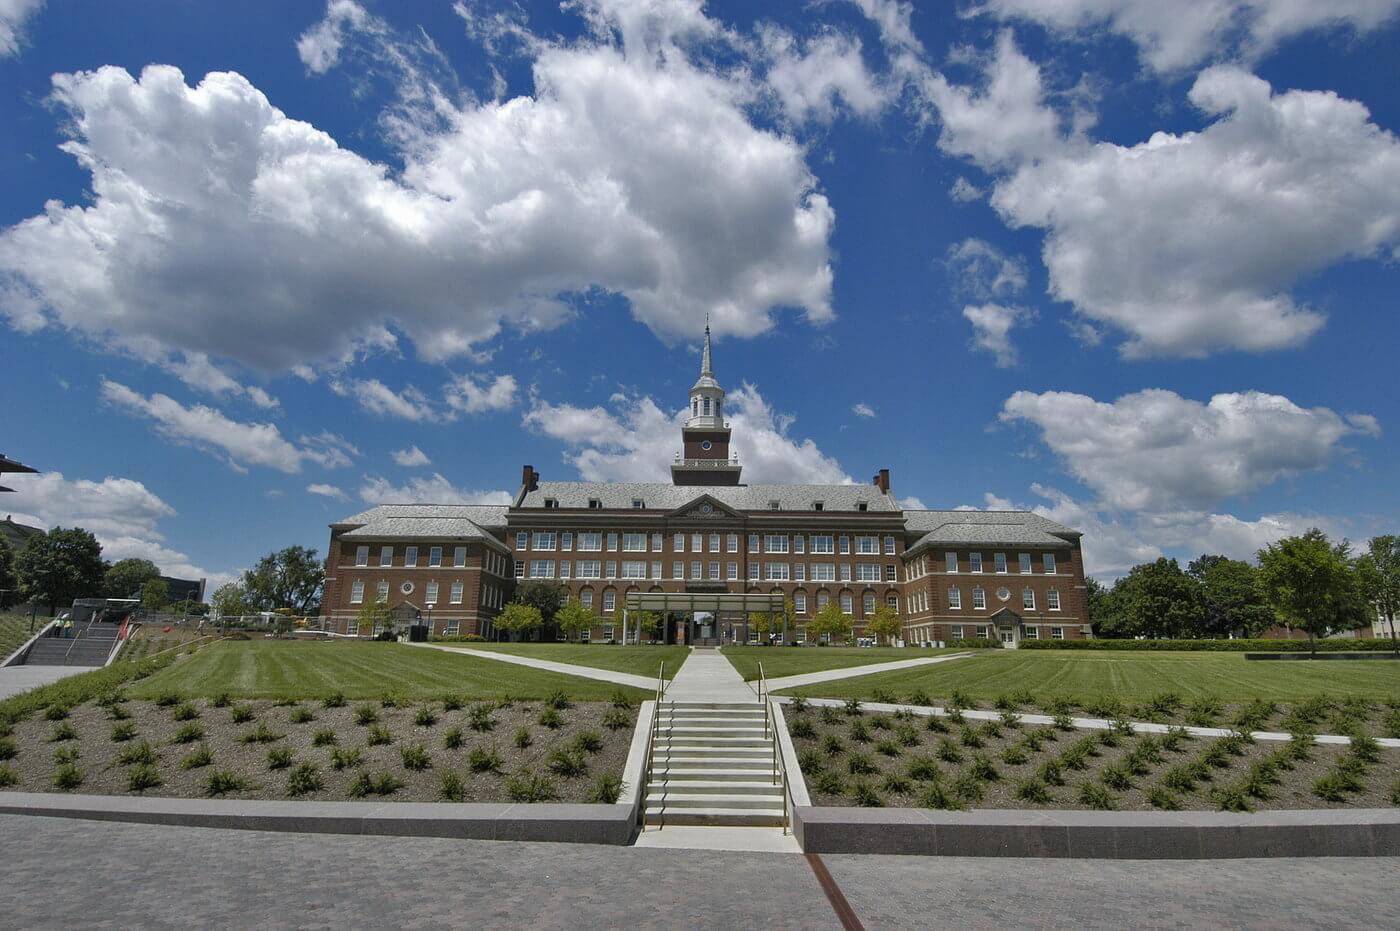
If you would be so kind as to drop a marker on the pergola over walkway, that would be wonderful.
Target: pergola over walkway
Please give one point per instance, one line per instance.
(744, 603)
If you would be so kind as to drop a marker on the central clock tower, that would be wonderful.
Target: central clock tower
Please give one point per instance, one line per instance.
(705, 458)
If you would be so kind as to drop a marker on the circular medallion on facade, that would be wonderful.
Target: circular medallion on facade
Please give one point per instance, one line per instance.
(705, 445)
(705, 508)
(406, 588)
(1003, 593)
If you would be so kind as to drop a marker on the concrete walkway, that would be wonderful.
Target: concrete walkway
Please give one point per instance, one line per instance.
(708, 676)
(16, 679)
(850, 672)
(690, 837)
(564, 669)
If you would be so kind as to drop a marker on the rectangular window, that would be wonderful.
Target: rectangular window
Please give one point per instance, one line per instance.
(410, 556)
(845, 545)
(435, 556)
(612, 543)
(893, 601)
(753, 570)
(732, 571)
(590, 569)
(590, 542)
(982, 632)
(845, 572)
(362, 555)
(714, 571)
(386, 556)
(974, 562)
(678, 570)
(607, 631)
(1031, 633)
(802, 634)
(1052, 599)
(799, 544)
(456, 594)
(634, 569)
(714, 543)
(1048, 560)
(357, 591)
(753, 543)
(823, 572)
(1057, 633)
(541, 568)
(1025, 559)
(634, 543)
(868, 546)
(656, 568)
(522, 539)
(867, 604)
(520, 568)
(1028, 599)
(956, 632)
(823, 544)
(822, 599)
(867, 572)
(777, 571)
(732, 543)
(609, 601)
(381, 592)
(799, 572)
(564, 568)
(431, 596)
(979, 598)
(950, 562)
(891, 572)
(459, 557)
(846, 603)
(697, 543)
(775, 543)
(585, 598)
(678, 543)
(566, 541)
(610, 569)
(658, 542)
(889, 546)
(453, 627)
(999, 561)
(799, 603)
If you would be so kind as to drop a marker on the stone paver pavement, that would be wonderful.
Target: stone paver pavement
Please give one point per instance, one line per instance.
(708, 676)
(568, 669)
(16, 679)
(851, 672)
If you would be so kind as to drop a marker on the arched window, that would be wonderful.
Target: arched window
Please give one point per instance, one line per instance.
(694, 407)
(718, 403)
(707, 407)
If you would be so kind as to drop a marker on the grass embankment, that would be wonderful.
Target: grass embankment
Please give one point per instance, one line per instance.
(1128, 677)
(283, 669)
(638, 660)
(14, 630)
(794, 661)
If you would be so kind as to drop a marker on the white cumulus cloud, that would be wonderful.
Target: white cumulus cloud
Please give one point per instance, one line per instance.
(433, 489)
(325, 491)
(473, 395)
(13, 14)
(991, 329)
(861, 409)
(411, 457)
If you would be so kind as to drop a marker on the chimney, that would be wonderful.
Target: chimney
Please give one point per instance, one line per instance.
(529, 478)
(882, 481)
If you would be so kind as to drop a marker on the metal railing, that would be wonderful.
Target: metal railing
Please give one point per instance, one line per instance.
(651, 740)
(770, 732)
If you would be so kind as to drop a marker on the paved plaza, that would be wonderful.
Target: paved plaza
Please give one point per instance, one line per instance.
(64, 874)
(17, 679)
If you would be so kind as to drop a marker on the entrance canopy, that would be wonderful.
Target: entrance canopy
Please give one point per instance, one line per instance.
(704, 601)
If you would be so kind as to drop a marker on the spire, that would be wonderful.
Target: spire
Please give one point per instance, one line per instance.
(705, 359)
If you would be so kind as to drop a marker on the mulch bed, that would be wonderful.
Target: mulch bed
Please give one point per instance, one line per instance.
(1130, 774)
(34, 762)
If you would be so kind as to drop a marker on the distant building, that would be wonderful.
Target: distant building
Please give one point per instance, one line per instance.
(705, 550)
(16, 534)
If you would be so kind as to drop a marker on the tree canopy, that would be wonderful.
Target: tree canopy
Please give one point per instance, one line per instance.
(1155, 599)
(228, 599)
(517, 618)
(832, 621)
(155, 594)
(289, 578)
(125, 577)
(1312, 584)
(883, 624)
(545, 596)
(1234, 602)
(56, 567)
(9, 580)
(1378, 572)
(575, 616)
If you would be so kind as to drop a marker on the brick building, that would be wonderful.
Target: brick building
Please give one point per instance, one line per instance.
(704, 538)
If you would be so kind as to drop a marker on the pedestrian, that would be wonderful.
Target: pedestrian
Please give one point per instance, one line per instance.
(68, 628)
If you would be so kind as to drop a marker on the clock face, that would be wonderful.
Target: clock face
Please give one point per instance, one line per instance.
(705, 445)
(705, 509)
(406, 588)
(1003, 594)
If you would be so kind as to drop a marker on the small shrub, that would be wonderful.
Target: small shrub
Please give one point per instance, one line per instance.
(8, 776)
(830, 715)
(452, 738)
(860, 764)
(480, 720)
(1036, 739)
(970, 738)
(1164, 703)
(948, 751)
(1117, 777)
(451, 702)
(425, 717)
(960, 699)
(365, 715)
(1171, 741)
(342, 757)
(63, 731)
(334, 700)
(118, 713)
(906, 735)
(67, 778)
(1011, 719)
(450, 788)
(1013, 755)
(389, 701)
(1108, 738)
(188, 734)
(379, 736)
(1365, 747)
(832, 745)
(882, 696)
(1182, 778)
(567, 762)
(1203, 712)
(1230, 798)
(1096, 796)
(1259, 780)
(224, 781)
(919, 697)
(802, 729)
(615, 719)
(139, 753)
(323, 738)
(852, 706)
(1033, 790)
(550, 718)
(301, 716)
(924, 769)
(991, 729)
(1004, 702)
(589, 741)
(897, 783)
(936, 795)
(279, 758)
(223, 700)
(529, 786)
(888, 747)
(415, 758)
(1064, 722)
(123, 731)
(558, 700)
(166, 699)
(1163, 799)
(968, 788)
(241, 714)
(829, 783)
(304, 779)
(1395, 793)
(865, 795)
(935, 723)
(199, 757)
(606, 789)
(185, 711)
(522, 738)
(859, 732)
(142, 777)
(810, 762)
(982, 768)
(377, 784)
(798, 705)
(66, 755)
(260, 735)
(1050, 773)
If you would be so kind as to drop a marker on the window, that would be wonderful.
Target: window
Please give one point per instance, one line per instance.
(982, 632)
(595, 504)
(753, 543)
(697, 543)
(867, 604)
(607, 631)
(585, 598)
(889, 546)
(362, 555)
(1031, 633)
(753, 569)
(1057, 633)
(658, 542)
(609, 601)
(818, 505)
(732, 571)
(956, 633)
(386, 556)
(435, 556)
(999, 560)
(590, 542)
(551, 503)
(610, 569)
(891, 572)
(714, 570)
(974, 562)
(822, 599)
(799, 572)
(845, 545)
(522, 540)
(453, 628)
(410, 556)
(564, 568)
(520, 568)
(589, 569)
(773, 505)
(775, 543)
(823, 544)
(566, 541)
(845, 572)
(799, 603)
(846, 603)
(823, 572)
(634, 569)
(979, 598)
(612, 543)
(634, 543)
(678, 543)
(714, 543)
(1048, 560)
(1025, 559)
(799, 543)
(381, 591)
(357, 591)
(705, 405)
(459, 557)
(541, 568)
(732, 543)
(955, 599)
(677, 570)
(656, 569)
(950, 562)
(456, 594)
(1028, 599)
(777, 571)
(893, 601)
(638, 504)
(868, 546)
(1052, 599)
(863, 506)
(696, 571)
(431, 595)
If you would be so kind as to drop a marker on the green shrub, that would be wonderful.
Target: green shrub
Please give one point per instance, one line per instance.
(936, 795)
(142, 777)
(882, 696)
(981, 767)
(200, 756)
(166, 699)
(377, 784)
(1330, 788)
(879, 722)
(1063, 722)
(304, 779)
(897, 783)
(72, 691)
(1032, 790)
(919, 697)
(342, 757)
(379, 736)
(1011, 719)
(334, 700)
(1216, 756)
(558, 700)
(991, 729)
(810, 761)
(1204, 711)
(606, 789)
(1365, 747)
(852, 706)
(450, 787)
(365, 715)
(56, 712)
(1108, 738)
(185, 711)
(123, 731)
(1163, 799)
(906, 735)
(567, 761)
(241, 714)
(829, 783)
(188, 734)
(522, 738)
(67, 778)
(968, 788)
(452, 738)
(1035, 739)
(801, 729)
(865, 795)
(425, 717)
(260, 735)
(1183, 777)
(415, 758)
(118, 713)
(832, 745)
(550, 718)
(830, 715)
(224, 781)
(8, 776)
(974, 643)
(969, 737)
(323, 738)
(615, 719)
(451, 702)
(480, 720)
(66, 755)
(888, 747)
(223, 700)
(1395, 792)
(588, 741)
(1050, 773)
(529, 786)
(279, 758)
(935, 723)
(1117, 777)
(924, 769)
(860, 764)
(1171, 741)
(1259, 779)
(63, 730)
(301, 716)
(389, 701)
(1096, 796)
(859, 732)
(138, 753)
(1230, 798)
(948, 751)
(1013, 755)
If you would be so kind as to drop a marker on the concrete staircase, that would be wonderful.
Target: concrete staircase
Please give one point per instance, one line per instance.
(713, 765)
(90, 646)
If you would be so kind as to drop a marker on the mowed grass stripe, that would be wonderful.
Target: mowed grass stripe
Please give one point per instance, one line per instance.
(1129, 676)
(300, 669)
(794, 661)
(638, 660)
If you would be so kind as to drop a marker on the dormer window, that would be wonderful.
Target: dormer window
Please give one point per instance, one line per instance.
(818, 505)
(863, 506)
(595, 503)
(707, 407)
(551, 502)
(638, 503)
(772, 505)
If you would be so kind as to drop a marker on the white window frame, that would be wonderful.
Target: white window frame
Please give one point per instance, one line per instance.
(434, 557)
(588, 569)
(697, 543)
(999, 563)
(541, 568)
(454, 594)
(1048, 561)
(609, 601)
(566, 541)
(1027, 599)
(731, 571)
(634, 543)
(678, 542)
(585, 598)
(697, 570)
(799, 572)
(678, 569)
(1025, 562)
(357, 592)
(954, 599)
(867, 546)
(410, 557)
(381, 592)
(753, 542)
(799, 603)
(634, 569)
(848, 605)
(430, 593)
(979, 599)
(974, 563)
(612, 543)
(590, 542)
(459, 557)
(950, 563)
(362, 556)
(522, 539)
(565, 567)
(386, 556)
(823, 544)
(776, 571)
(867, 604)
(610, 569)
(519, 568)
(658, 542)
(823, 572)
(1052, 599)
(775, 543)
(844, 543)
(714, 543)
(753, 571)
(714, 570)
(956, 633)
(732, 543)
(889, 546)
(868, 572)
(1031, 633)
(845, 572)
(1057, 633)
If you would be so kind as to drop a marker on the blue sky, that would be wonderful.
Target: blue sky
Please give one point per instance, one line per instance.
(264, 264)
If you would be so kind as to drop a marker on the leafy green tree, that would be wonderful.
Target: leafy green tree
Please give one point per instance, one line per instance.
(1312, 584)
(832, 621)
(789, 620)
(1378, 572)
(517, 618)
(125, 577)
(187, 606)
(228, 599)
(155, 594)
(545, 596)
(58, 566)
(1157, 599)
(884, 624)
(648, 622)
(575, 616)
(9, 580)
(1103, 609)
(761, 623)
(373, 613)
(289, 578)
(1234, 603)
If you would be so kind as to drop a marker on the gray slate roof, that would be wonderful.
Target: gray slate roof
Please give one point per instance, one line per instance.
(665, 496)
(427, 521)
(1011, 528)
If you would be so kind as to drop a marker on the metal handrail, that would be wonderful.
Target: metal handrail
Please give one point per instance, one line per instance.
(651, 739)
(770, 731)
(78, 636)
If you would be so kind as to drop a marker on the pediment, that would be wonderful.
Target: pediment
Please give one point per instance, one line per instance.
(704, 507)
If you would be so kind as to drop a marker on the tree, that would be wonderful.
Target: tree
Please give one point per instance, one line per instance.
(1157, 599)
(1312, 584)
(648, 622)
(125, 577)
(517, 618)
(884, 623)
(58, 566)
(574, 617)
(546, 597)
(1233, 602)
(761, 622)
(187, 607)
(289, 578)
(789, 620)
(9, 581)
(372, 614)
(229, 601)
(832, 621)
(1378, 572)
(155, 594)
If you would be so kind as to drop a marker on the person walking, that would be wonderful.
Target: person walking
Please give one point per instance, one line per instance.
(68, 628)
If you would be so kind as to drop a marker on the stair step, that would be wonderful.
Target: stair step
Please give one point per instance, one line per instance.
(728, 751)
(674, 786)
(716, 817)
(687, 730)
(711, 765)
(673, 801)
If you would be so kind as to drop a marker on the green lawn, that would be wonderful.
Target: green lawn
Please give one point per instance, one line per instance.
(14, 630)
(1132, 677)
(305, 669)
(638, 660)
(793, 661)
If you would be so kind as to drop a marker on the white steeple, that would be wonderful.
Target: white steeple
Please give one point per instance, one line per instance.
(706, 397)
